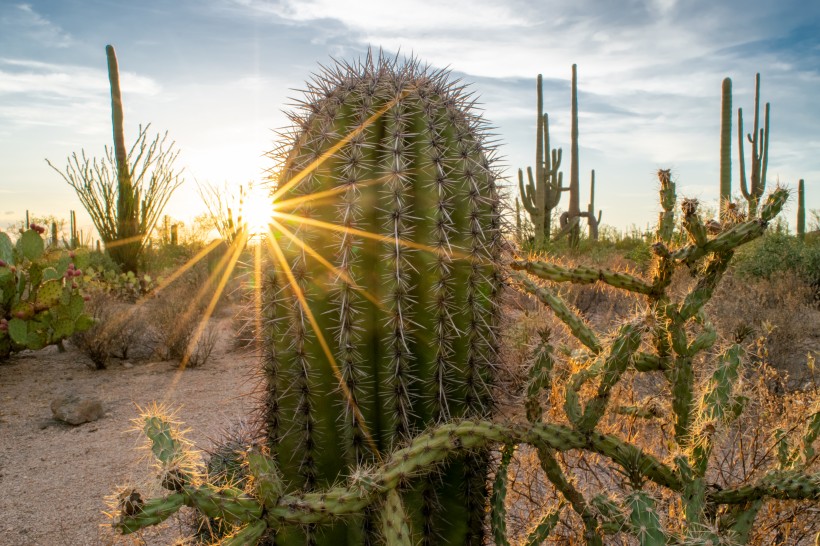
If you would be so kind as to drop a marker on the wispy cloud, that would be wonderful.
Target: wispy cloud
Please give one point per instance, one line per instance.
(28, 76)
(34, 93)
(26, 21)
(413, 16)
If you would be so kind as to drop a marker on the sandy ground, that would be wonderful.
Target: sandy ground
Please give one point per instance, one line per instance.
(44, 503)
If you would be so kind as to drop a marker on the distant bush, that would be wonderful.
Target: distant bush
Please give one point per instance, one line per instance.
(777, 252)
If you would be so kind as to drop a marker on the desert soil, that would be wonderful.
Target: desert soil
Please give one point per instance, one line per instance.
(54, 478)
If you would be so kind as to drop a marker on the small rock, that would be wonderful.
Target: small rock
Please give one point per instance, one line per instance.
(127, 365)
(74, 410)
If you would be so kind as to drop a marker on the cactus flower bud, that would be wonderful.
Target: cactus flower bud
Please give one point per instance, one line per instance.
(72, 255)
(3, 264)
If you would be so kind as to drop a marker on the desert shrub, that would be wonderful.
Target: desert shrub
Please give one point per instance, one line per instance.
(118, 329)
(97, 342)
(175, 322)
(100, 261)
(777, 310)
(125, 287)
(779, 252)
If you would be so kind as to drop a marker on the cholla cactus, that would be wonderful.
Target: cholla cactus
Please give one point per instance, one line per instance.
(667, 338)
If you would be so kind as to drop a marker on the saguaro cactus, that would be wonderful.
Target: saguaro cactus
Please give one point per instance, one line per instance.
(413, 237)
(725, 147)
(542, 192)
(759, 140)
(801, 209)
(592, 221)
(570, 219)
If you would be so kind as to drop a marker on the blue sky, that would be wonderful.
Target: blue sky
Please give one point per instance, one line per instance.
(217, 74)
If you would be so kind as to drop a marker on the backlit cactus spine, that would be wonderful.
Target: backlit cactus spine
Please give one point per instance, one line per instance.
(407, 214)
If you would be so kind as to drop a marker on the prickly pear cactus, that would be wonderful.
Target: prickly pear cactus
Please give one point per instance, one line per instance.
(383, 305)
(40, 303)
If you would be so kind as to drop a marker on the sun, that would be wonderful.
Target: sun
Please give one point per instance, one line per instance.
(257, 211)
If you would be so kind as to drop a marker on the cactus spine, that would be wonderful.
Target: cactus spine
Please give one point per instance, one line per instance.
(542, 192)
(801, 209)
(414, 237)
(725, 147)
(759, 140)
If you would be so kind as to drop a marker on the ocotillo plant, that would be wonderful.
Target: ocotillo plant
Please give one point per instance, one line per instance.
(125, 192)
(393, 184)
(725, 147)
(801, 209)
(759, 140)
(542, 192)
(570, 219)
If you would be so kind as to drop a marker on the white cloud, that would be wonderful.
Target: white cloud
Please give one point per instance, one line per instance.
(29, 76)
(415, 16)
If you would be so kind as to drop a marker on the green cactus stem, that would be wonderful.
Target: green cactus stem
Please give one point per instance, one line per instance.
(583, 275)
(395, 525)
(542, 531)
(801, 210)
(539, 378)
(126, 253)
(569, 220)
(725, 148)
(576, 324)
(498, 512)
(592, 221)
(421, 456)
(668, 196)
(759, 141)
(644, 520)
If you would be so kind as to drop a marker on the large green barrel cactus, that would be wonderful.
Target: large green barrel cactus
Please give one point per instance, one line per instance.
(382, 307)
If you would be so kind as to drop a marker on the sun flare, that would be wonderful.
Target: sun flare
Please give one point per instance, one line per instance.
(257, 211)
